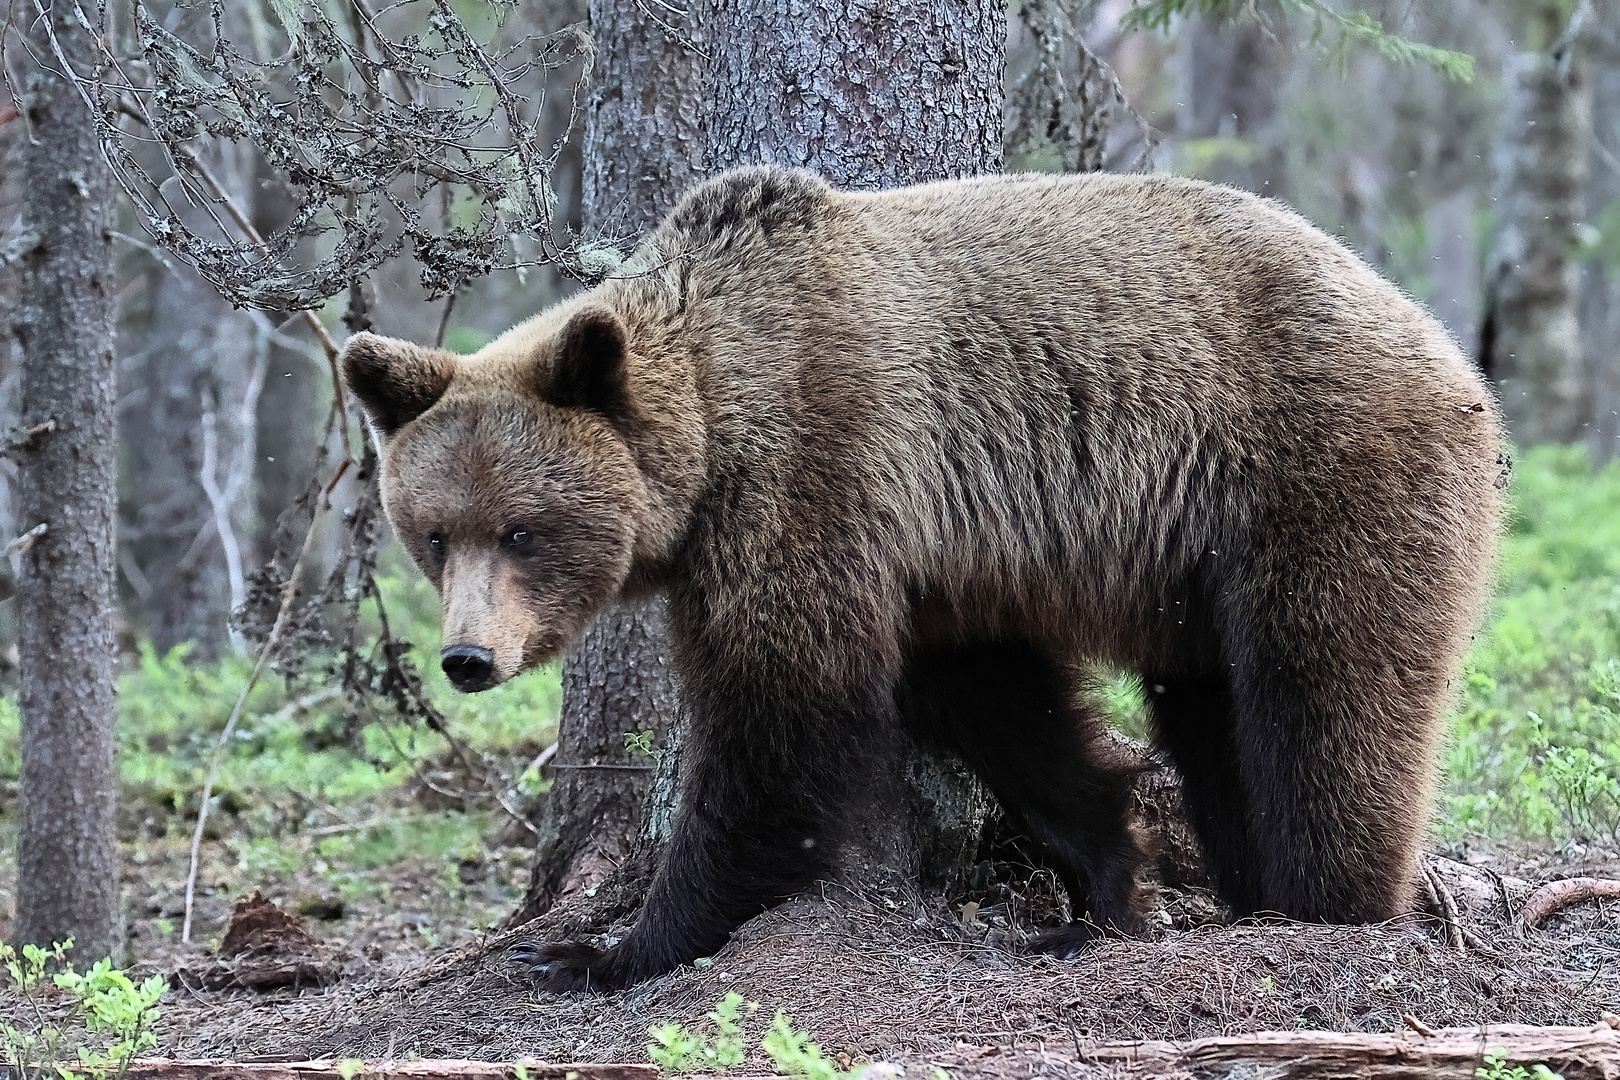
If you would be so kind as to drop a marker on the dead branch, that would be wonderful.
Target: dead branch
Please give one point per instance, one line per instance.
(27, 439)
(1556, 895)
(361, 116)
(1576, 1053)
(27, 540)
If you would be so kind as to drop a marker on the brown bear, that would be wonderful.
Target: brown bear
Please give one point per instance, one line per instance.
(911, 457)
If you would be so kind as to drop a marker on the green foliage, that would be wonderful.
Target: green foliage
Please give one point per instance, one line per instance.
(1333, 33)
(794, 1054)
(678, 1050)
(108, 1021)
(1497, 1068)
(1536, 734)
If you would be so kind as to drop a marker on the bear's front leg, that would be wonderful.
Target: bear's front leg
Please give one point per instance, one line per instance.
(763, 782)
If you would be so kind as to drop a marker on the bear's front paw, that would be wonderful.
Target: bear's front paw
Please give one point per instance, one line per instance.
(1066, 942)
(562, 966)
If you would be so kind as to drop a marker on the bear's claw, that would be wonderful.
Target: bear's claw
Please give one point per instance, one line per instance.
(1066, 942)
(561, 967)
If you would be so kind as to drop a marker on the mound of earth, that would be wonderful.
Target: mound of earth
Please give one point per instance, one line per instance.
(880, 978)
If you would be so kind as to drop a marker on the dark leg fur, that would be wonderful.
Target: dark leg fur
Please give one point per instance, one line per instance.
(1193, 718)
(1337, 793)
(1014, 718)
(764, 779)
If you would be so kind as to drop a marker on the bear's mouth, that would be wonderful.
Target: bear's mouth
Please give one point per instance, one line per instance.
(540, 648)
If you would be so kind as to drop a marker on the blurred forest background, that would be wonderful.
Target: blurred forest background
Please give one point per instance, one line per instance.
(408, 817)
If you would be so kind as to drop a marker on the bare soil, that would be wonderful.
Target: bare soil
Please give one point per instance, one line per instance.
(875, 977)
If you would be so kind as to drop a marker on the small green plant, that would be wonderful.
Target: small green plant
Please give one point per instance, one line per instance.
(1497, 1068)
(795, 1055)
(676, 1049)
(639, 742)
(104, 1000)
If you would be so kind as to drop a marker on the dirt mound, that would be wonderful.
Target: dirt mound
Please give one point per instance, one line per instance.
(876, 978)
(265, 948)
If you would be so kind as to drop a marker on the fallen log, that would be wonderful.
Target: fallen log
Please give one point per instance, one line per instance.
(1575, 1053)
(1423, 1053)
(350, 1069)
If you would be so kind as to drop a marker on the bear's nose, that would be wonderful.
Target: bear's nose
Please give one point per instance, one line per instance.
(470, 667)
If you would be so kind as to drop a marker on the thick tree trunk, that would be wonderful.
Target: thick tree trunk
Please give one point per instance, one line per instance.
(1530, 342)
(68, 858)
(871, 97)
(644, 143)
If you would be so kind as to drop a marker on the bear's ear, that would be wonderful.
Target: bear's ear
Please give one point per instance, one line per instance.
(395, 380)
(590, 370)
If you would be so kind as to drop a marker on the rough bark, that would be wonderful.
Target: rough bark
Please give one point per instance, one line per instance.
(617, 680)
(68, 856)
(185, 549)
(1530, 341)
(871, 97)
(644, 141)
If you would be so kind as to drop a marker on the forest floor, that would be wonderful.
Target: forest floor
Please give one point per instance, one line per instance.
(384, 975)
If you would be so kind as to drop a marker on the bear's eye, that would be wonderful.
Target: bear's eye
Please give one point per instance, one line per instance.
(517, 538)
(436, 545)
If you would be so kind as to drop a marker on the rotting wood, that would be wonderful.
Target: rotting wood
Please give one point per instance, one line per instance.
(1577, 1053)
(1557, 895)
(339, 1069)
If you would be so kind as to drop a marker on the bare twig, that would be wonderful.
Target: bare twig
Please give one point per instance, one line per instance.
(27, 540)
(221, 505)
(311, 320)
(265, 651)
(27, 440)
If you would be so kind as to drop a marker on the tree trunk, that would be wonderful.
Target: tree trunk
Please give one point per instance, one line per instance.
(871, 96)
(68, 857)
(1530, 341)
(644, 143)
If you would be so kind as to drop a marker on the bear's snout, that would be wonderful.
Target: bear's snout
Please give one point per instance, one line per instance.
(470, 667)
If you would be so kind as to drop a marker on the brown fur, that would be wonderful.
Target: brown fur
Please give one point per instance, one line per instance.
(910, 456)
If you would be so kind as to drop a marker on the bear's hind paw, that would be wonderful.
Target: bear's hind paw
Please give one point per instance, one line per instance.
(561, 967)
(1066, 942)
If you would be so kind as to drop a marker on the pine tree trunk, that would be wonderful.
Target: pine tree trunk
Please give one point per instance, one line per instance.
(643, 148)
(871, 96)
(68, 856)
(1530, 342)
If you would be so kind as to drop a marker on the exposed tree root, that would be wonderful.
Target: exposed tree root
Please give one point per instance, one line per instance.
(1556, 895)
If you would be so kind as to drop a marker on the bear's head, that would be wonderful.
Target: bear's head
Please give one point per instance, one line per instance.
(509, 477)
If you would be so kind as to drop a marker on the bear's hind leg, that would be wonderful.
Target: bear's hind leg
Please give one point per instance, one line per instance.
(1337, 760)
(1193, 724)
(1015, 719)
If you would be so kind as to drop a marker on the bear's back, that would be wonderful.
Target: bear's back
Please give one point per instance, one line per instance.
(992, 379)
